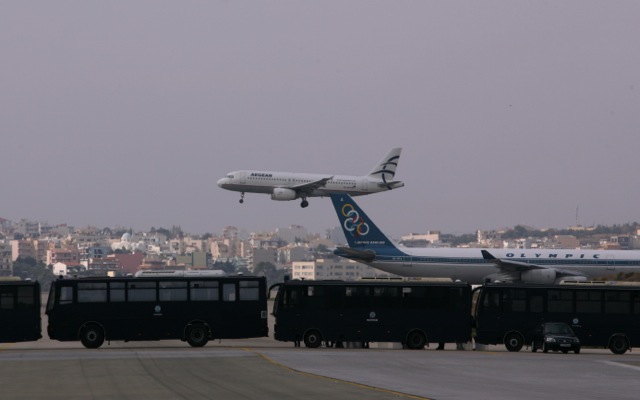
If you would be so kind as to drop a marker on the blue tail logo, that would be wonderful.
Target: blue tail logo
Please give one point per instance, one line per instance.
(353, 222)
(359, 229)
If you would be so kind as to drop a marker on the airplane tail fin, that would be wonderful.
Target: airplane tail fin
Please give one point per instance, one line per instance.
(385, 170)
(358, 228)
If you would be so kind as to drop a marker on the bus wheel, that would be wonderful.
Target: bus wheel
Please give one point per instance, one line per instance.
(513, 342)
(197, 335)
(92, 336)
(618, 345)
(416, 340)
(312, 339)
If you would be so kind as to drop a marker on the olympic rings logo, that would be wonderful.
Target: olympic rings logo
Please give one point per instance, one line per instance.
(353, 222)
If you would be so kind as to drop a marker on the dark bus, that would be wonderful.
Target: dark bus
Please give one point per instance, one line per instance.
(606, 316)
(192, 309)
(20, 319)
(409, 312)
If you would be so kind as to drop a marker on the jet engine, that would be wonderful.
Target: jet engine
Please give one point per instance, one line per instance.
(543, 276)
(282, 194)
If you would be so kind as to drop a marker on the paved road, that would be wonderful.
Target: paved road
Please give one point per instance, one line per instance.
(263, 369)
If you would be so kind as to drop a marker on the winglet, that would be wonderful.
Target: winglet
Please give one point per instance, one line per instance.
(488, 256)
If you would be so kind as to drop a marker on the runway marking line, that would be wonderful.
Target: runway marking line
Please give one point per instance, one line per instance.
(622, 365)
(360, 385)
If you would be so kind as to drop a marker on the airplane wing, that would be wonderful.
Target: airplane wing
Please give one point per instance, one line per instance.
(510, 269)
(510, 266)
(309, 187)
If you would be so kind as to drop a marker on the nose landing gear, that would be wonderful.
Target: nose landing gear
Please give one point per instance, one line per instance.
(241, 197)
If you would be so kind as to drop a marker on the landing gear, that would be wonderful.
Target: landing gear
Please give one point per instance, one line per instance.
(241, 197)
(304, 203)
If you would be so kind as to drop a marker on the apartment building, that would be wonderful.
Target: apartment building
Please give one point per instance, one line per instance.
(341, 269)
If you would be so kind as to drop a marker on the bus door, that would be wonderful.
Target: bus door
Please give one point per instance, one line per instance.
(353, 319)
(300, 308)
(143, 319)
(515, 314)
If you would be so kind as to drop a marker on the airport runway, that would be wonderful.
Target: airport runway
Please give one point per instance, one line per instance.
(264, 369)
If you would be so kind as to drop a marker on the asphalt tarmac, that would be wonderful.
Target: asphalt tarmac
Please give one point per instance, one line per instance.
(265, 369)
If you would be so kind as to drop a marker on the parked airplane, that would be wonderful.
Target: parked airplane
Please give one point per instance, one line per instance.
(295, 185)
(367, 244)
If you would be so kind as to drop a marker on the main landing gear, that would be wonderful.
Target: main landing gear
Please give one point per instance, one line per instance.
(241, 197)
(304, 203)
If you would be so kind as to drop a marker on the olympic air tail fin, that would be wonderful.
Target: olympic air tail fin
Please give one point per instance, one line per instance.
(359, 229)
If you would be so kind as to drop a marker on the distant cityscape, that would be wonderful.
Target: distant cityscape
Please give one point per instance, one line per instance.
(36, 250)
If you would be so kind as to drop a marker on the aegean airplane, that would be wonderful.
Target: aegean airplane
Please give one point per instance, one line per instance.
(367, 244)
(294, 185)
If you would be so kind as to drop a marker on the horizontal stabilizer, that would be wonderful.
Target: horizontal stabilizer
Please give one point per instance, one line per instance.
(359, 255)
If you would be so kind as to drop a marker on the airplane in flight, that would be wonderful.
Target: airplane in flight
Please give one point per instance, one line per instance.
(367, 244)
(294, 185)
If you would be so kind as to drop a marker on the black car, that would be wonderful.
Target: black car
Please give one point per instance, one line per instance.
(555, 336)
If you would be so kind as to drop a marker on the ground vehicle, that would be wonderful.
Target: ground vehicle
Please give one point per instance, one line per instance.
(600, 315)
(555, 336)
(410, 312)
(19, 311)
(197, 309)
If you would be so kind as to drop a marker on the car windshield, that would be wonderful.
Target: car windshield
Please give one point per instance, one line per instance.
(558, 329)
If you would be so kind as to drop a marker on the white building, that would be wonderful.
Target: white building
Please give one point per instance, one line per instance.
(341, 269)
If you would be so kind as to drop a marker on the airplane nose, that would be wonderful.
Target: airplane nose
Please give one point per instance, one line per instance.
(221, 182)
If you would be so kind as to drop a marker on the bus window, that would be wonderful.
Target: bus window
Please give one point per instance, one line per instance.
(249, 291)
(491, 302)
(589, 301)
(116, 292)
(142, 291)
(514, 300)
(636, 303)
(292, 297)
(560, 301)
(617, 302)
(205, 290)
(89, 292)
(385, 291)
(172, 291)
(229, 292)
(457, 300)
(6, 300)
(66, 295)
(536, 302)
(357, 296)
(25, 296)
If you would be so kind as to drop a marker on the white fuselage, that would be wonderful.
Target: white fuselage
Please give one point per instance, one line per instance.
(468, 265)
(250, 181)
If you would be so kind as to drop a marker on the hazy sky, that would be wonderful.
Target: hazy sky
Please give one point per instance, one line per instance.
(126, 113)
